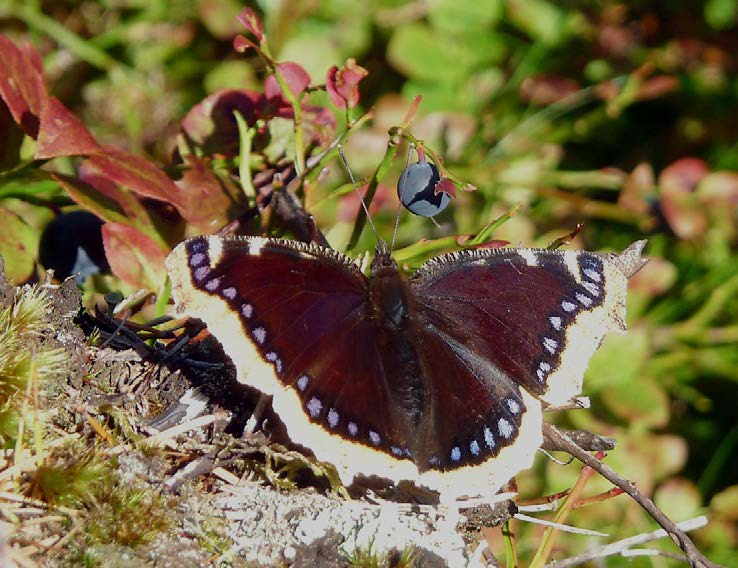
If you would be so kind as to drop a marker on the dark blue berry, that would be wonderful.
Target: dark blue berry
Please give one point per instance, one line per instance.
(417, 190)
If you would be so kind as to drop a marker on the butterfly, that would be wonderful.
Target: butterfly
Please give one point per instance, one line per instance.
(438, 378)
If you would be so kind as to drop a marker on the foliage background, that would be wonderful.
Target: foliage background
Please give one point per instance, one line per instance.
(618, 114)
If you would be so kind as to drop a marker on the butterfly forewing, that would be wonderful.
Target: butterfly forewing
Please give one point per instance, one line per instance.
(294, 320)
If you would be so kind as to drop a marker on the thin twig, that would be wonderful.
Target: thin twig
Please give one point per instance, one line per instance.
(695, 558)
(625, 544)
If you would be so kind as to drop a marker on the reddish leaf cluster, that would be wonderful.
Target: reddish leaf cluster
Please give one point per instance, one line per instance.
(343, 84)
(112, 183)
(691, 198)
(145, 211)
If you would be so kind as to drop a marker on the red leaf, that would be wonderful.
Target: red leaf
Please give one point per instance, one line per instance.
(719, 187)
(136, 214)
(294, 75)
(657, 277)
(445, 186)
(211, 125)
(547, 89)
(90, 197)
(638, 189)
(206, 202)
(252, 22)
(241, 44)
(343, 84)
(22, 84)
(679, 204)
(61, 133)
(137, 174)
(655, 87)
(685, 173)
(683, 211)
(134, 257)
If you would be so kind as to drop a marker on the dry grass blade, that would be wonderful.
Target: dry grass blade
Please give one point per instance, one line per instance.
(621, 546)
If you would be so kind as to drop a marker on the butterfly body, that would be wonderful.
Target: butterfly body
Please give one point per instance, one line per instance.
(437, 378)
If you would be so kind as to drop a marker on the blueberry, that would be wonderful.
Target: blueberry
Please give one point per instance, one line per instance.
(417, 190)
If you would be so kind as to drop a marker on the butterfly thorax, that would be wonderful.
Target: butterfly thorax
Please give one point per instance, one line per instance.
(390, 298)
(389, 295)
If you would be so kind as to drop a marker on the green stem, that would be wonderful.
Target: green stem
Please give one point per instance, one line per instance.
(485, 233)
(511, 557)
(425, 247)
(296, 104)
(378, 176)
(246, 137)
(581, 180)
(713, 306)
(549, 536)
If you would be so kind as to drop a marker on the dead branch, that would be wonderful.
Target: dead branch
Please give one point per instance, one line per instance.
(695, 558)
(582, 438)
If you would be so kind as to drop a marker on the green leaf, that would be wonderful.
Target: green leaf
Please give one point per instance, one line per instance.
(620, 359)
(314, 54)
(282, 139)
(464, 15)
(18, 246)
(419, 52)
(725, 503)
(721, 14)
(219, 17)
(541, 20)
(642, 403)
(231, 74)
(678, 498)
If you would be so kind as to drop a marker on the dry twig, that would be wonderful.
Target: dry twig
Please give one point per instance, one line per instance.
(624, 545)
(695, 558)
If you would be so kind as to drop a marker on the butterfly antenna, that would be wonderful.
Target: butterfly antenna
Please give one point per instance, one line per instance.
(356, 189)
(399, 207)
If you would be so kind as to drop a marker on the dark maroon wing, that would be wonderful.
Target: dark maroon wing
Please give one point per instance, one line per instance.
(292, 318)
(520, 325)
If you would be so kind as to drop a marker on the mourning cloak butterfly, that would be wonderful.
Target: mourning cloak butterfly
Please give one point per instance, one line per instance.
(438, 378)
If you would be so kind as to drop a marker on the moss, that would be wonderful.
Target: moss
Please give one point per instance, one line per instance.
(369, 557)
(26, 361)
(128, 516)
(71, 477)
